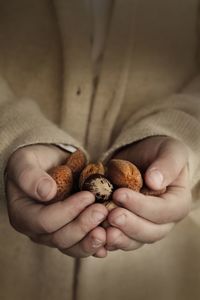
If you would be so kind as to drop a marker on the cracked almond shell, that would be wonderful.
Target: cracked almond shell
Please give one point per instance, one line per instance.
(90, 169)
(99, 186)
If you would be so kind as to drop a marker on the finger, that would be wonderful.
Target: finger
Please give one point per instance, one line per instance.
(91, 244)
(116, 239)
(24, 169)
(94, 241)
(28, 216)
(77, 252)
(136, 227)
(101, 253)
(172, 157)
(39, 240)
(172, 206)
(75, 231)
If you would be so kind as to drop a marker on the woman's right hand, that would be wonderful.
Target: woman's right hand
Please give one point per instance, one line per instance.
(71, 225)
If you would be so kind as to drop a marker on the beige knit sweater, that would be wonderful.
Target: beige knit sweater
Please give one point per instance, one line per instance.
(148, 84)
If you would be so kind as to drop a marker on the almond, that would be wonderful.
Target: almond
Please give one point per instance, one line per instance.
(64, 180)
(76, 162)
(110, 205)
(100, 186)
(90, 169)
(123, 173)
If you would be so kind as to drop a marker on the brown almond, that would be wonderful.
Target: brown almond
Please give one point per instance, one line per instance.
(76, 162)
(64, 180)
(123, 173)
(90, 169)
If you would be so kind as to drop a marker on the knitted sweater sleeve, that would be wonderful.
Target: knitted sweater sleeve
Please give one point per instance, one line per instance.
(177, 116)
(22, 123)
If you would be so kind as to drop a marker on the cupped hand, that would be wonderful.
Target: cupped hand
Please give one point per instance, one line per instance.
(71, 225)
(142, 219)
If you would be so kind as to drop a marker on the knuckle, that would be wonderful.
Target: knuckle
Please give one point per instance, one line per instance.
(92, 236)
(119, 243)
(87, 248)
(116, 234)
(115, 238)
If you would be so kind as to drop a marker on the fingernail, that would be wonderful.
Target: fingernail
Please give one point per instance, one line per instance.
(44, 188)
(98, 216)
(96, 243)
(120, 220)
(156, 177)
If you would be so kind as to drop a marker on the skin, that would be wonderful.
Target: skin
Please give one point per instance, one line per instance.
(72, 225)
(142, 219)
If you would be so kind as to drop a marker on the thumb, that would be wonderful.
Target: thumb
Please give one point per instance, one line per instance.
(172, 157)
(31, 179)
